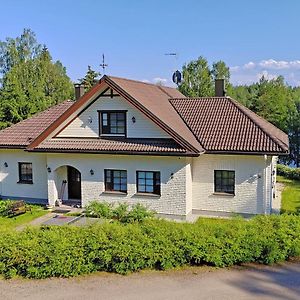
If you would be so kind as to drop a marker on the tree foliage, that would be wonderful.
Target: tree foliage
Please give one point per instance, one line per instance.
(31, 81)
(90, 78)
(198, 80)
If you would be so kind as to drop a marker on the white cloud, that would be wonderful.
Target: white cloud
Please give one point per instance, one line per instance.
(234, 68)
(146, 80)
(159, 79)
(266, 74)
(270, 68)
(280, 64)
(249, 65)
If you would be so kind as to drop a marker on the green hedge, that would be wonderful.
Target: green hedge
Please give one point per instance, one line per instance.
(288, 172)
(156, 244)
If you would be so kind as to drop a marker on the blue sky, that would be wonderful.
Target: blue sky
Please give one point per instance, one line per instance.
(252, 37)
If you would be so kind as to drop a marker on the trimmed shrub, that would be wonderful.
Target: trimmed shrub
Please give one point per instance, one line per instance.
(121, 212)
(288, 172)
(98, 209)
(155, 244)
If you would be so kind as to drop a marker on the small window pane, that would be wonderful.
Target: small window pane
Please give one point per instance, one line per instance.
(149, 175)
(224, 181)
(149, 189)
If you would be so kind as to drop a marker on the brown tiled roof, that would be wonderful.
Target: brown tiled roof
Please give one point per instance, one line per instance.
(224, 125)
(24, 132)
(111, 145)
(194, 125)
(154, 99)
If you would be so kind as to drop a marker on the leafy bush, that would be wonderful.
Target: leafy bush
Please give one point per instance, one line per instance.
(4, 207)
(138, 213)
(121, 212)
(157, 244)
(288, 172)
(97, 209)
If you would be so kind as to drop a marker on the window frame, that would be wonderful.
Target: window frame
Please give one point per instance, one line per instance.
(109, 186)
(156, 191)
(21, 175)
(224, 187)
(108, 112)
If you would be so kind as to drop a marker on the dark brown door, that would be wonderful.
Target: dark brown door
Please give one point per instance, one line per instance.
(74, 183)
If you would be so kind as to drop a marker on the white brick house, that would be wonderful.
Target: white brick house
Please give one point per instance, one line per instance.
(129, 141)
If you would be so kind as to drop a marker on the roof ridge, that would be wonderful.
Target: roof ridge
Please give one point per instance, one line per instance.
(247, 112)
(137, 81)
(161, 88)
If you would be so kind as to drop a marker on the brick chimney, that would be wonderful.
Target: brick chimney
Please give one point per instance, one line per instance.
(220, 88)
(79, 90)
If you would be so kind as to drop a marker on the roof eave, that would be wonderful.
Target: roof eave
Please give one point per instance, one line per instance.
(118, 152)
(232, 152)
(13, 146)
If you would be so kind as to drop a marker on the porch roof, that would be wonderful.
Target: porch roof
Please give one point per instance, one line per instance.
(100, 145)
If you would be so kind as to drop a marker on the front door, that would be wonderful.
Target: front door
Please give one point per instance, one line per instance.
(74, 183)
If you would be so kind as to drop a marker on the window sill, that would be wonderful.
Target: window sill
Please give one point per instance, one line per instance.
(147, 195)
(114, 193)
(113, 135)
(223, 194)
(25, 182)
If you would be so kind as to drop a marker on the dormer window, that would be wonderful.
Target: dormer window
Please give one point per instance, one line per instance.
(113, 123)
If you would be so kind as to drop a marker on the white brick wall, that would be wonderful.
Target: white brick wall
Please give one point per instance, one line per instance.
(173, 190)
(252, 190)
(142, 128)
(190, 187)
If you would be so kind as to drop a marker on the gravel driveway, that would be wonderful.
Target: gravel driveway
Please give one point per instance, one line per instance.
(280, 282)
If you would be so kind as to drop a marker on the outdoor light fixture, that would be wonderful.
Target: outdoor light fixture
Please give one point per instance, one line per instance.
(92, 172)
(5, 165)
(90, 119)
(133, 120)
(49, 169)
(172, 175)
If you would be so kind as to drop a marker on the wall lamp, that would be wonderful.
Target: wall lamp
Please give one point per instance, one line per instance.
(5, 164)
(92, 172)
(49, 169)
(133, 119)
(90, 119)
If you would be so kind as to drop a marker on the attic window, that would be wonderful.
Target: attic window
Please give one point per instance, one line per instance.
(113, 123)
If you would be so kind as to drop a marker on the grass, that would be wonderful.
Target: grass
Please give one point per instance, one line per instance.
(290, 201)
(11, 223)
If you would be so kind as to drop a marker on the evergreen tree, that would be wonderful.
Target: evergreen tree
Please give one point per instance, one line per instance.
(89, 79)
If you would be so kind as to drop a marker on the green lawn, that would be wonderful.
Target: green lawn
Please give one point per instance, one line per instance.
(290, 201)
(36, 211)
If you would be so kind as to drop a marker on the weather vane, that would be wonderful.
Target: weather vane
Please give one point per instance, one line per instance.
(103, 65)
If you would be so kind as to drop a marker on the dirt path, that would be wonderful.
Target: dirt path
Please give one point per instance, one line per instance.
(280, 282)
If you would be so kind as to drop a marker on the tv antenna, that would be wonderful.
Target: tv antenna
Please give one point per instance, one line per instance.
(103, 65)
(177, 76)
